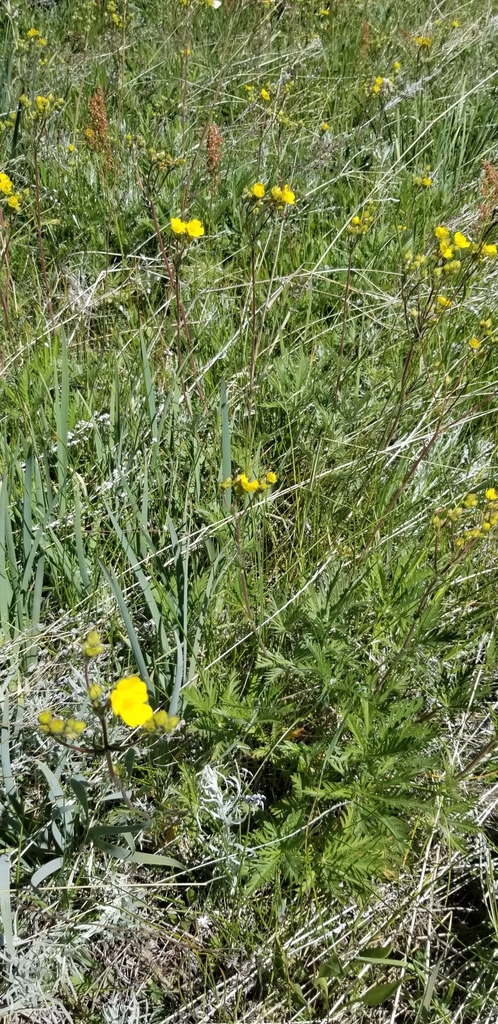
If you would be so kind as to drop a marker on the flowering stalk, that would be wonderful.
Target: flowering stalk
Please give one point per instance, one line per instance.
(128, 700)
(181, 316)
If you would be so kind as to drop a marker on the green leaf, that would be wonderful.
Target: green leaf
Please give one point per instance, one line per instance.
(111, 830)
(331, 968)
(132, 636)
(79, 790)
(378, 994)
(8, 779)
(121, 853)
(46, 870)
(5, 904)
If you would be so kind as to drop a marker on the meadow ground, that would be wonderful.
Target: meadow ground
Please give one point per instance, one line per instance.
(248, 511)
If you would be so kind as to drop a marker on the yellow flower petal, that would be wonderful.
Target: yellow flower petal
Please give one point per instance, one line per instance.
(178, 225)
(194, 228)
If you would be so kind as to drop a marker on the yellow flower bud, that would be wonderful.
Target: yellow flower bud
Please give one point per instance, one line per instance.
(56, 726)
(92, 645)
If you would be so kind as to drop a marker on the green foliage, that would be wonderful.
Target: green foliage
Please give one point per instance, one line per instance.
(263, 462)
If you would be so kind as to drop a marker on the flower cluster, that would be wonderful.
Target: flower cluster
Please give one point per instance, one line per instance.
(34, 35)
(44, 105)
(251, 486)
(359, 225)
(483, 514)
(7, 190)
(112, 11)
(191, 229)
(447, 245)
(161, 722)
(92, 646)
(68, 728)
(423, 42)
(422, 179)
(277, 196)
(381, 84)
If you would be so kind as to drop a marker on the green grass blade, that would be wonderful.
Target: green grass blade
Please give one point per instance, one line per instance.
(78, 537)
(130, 629)
(5, 904)
(226, 458)
(8, 778)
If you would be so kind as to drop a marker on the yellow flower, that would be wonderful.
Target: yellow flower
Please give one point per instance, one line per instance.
(33, 33)
(178, 225)
(377, 86)
(70, 147)
(324, 127)
(474, 343)
(470, 501)
(14, 202)
(426, 182)
(6, 185)
(491, 494)
(42, 41)
(445, 250)
(283, 195)
(455, 24)
(93, 645)
(486, 526)
(423, 41)
(443, 301)
(265, 95)
(461, 241)
(441, 232)
(271, 477)
(324, 12)
(489, 250)
(43, 103)
(94, 691)
(250, 486)
(258, 190)
(194, 228)
(396, 66)
(129, 700)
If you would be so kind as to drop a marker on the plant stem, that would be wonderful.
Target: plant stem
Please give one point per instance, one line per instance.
(40, 239)
(344, 315)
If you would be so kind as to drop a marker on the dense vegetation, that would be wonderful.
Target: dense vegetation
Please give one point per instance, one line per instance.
(248, 455)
